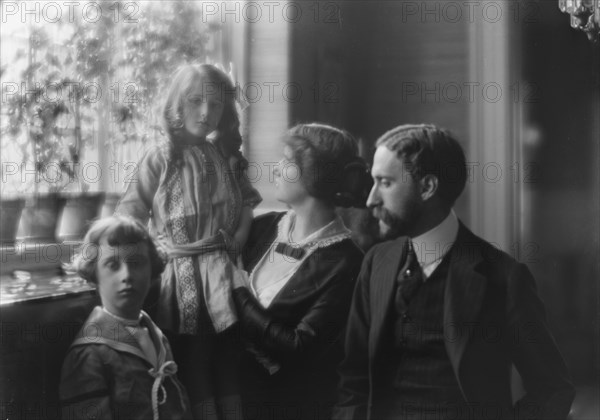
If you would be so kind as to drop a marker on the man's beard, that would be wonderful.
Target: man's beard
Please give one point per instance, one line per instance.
(394, 225)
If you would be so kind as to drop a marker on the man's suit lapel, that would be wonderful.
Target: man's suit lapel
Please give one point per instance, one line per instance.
(384, 279)
(464, 293)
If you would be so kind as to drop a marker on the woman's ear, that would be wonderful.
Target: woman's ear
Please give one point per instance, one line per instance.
(429, 186)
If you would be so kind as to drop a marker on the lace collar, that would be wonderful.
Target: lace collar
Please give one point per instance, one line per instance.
(334, 232)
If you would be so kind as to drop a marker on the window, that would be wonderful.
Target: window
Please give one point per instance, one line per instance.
(82, 85)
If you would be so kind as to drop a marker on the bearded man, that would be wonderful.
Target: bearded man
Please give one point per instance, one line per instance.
(439, 316)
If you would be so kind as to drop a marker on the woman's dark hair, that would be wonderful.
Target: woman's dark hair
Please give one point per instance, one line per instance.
(330, 166)
(429, 150)
(118, 230)
(209, 77)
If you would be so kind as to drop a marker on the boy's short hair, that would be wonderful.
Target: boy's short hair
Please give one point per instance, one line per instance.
(118, 230)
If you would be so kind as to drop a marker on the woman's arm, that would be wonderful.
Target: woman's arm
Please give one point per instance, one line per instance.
(243, 230)
(250, 195)
(250, 199)
(318, 329)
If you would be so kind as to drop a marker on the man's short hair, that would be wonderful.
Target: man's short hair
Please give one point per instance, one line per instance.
(426, 149)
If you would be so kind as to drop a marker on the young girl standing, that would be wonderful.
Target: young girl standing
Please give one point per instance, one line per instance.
(200, 208)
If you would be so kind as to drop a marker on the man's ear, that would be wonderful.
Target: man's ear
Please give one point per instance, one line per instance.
(429, 186)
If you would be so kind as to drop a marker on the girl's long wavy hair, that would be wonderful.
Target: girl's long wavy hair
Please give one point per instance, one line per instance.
(187, 78)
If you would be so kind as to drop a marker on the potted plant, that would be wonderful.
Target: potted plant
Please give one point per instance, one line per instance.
(81, 205)
(45, 129)
(31, 128)
(50, 136)
(11, 207)
(11, 202)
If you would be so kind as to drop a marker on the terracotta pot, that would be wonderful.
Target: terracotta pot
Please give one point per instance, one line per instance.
(79, 213)
(10, 214)
(40, 218)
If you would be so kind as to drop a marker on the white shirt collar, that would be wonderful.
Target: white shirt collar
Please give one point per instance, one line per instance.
(431, 246)
(125, 321)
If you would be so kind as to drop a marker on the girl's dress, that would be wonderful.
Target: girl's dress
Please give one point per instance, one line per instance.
(192, 205)
(116, 369)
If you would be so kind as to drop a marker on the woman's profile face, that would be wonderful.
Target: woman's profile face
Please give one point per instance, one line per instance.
(289, 188)
(203, 107)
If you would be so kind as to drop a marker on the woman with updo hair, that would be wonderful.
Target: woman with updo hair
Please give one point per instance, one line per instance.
(302, 268)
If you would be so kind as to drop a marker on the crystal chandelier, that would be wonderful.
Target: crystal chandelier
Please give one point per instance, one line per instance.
(585, 16)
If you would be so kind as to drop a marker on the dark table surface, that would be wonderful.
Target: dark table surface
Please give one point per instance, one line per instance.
(23, 286)
(40, 314)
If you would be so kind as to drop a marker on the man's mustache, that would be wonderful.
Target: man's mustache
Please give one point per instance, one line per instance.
(383, 214)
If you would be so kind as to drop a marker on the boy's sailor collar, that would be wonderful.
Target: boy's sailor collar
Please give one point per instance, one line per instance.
(103, 327)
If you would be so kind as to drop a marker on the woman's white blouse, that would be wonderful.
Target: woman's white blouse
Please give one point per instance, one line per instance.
(274, 270)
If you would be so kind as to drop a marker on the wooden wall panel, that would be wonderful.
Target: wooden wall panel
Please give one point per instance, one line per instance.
(267, 115)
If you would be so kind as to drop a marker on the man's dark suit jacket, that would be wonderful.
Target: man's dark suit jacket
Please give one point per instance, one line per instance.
(493, 318)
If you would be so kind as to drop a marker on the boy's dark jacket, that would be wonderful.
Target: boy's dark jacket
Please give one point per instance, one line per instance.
(107, 376)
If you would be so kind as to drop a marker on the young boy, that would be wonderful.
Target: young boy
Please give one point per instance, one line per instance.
(120, 365)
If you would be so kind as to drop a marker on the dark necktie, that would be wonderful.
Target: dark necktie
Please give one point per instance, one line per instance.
(409, 279)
